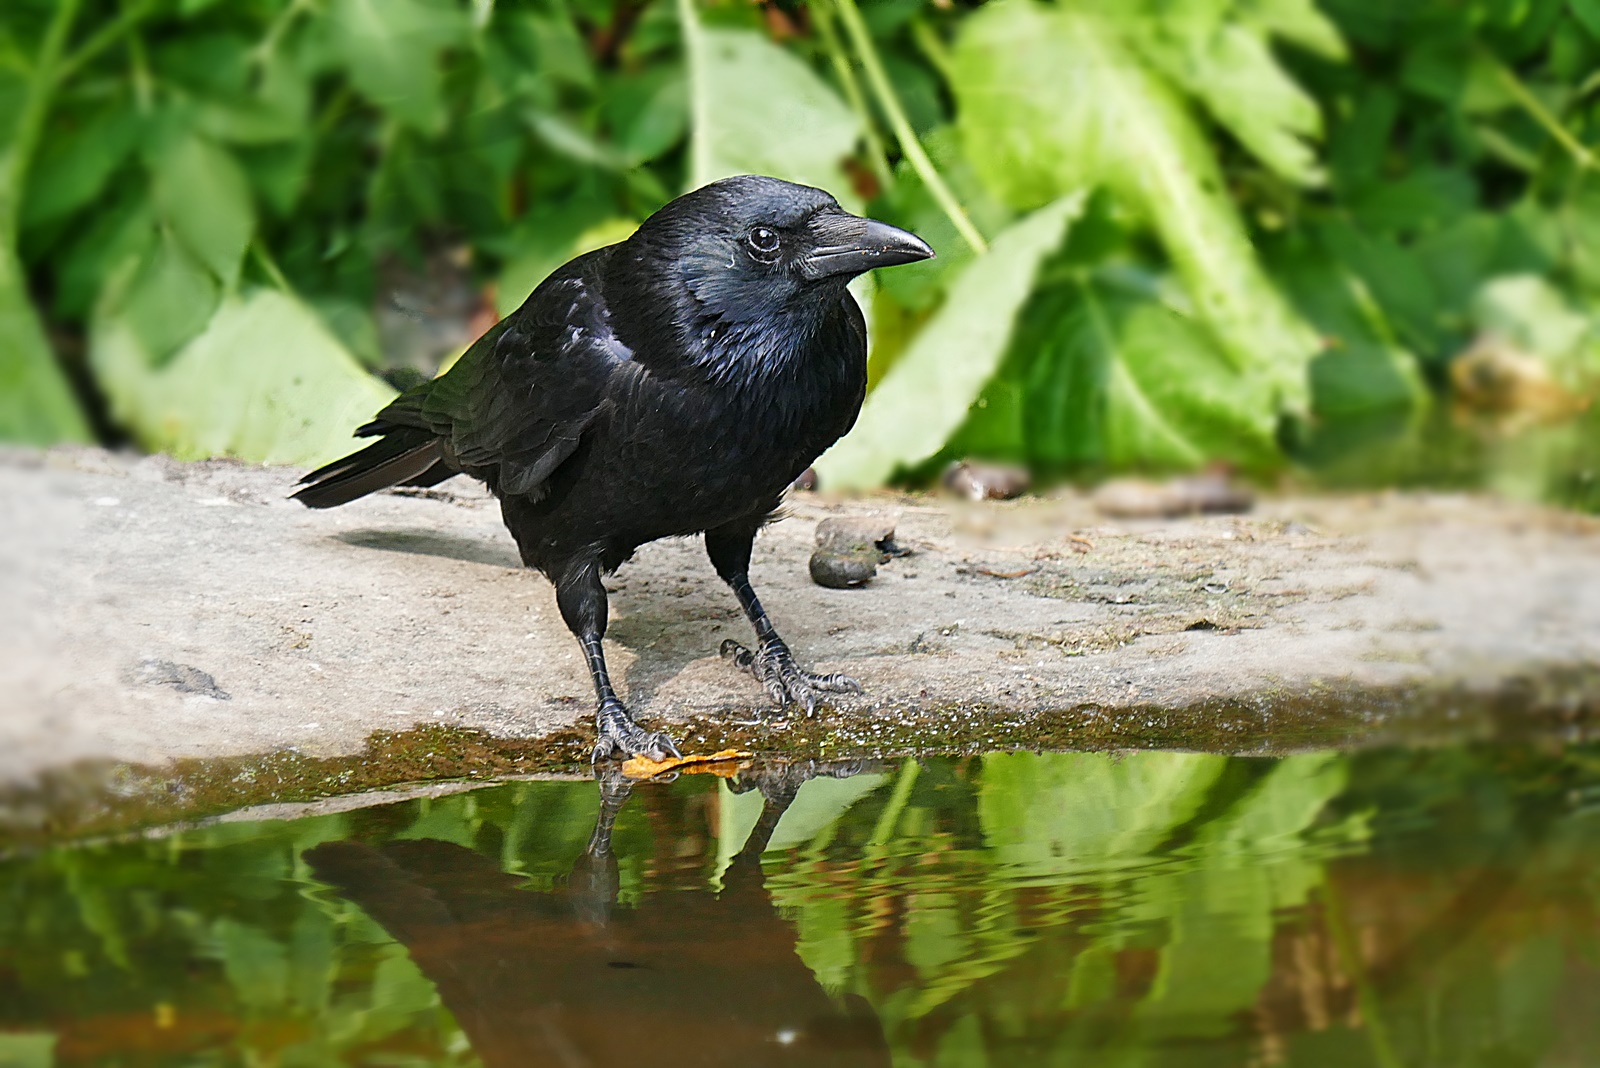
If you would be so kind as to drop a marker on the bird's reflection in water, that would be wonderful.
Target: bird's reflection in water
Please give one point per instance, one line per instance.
(571, 977)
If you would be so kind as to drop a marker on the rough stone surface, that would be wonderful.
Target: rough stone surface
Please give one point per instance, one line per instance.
(155, 609)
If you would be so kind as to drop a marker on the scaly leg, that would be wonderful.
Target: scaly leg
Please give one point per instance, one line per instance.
(593, 881)
(581, 597)
(771, 662)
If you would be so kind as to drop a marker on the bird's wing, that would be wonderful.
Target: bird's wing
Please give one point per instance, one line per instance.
(520, 399)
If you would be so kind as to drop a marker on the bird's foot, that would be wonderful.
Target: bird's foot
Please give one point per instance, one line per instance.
(619, 734)
(774, 667)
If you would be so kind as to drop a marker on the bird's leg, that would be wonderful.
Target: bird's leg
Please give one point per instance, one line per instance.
(581, 596)
(770, 662)
(779, 784)
(593, 880)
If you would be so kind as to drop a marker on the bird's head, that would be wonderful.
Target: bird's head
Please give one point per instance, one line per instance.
(752, 248)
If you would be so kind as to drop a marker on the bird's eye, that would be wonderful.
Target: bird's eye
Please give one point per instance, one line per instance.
(763, 239)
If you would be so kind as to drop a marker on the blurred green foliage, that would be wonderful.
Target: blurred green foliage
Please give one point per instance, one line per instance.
(1171, 231)
(1382, 907)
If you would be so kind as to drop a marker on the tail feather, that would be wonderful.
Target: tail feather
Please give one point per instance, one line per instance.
(432, 476)
(399, 456)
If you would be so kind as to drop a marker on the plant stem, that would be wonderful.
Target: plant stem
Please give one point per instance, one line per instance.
(1541, 114)
(879, 159)
(103, 38)
(928, 43)
(36, 403)
(909, 145)
(144, 87)
(270, 267)
(268, 46)
(18, 157)
(890, 817)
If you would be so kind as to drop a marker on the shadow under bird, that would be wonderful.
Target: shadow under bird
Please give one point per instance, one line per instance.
(674, 383)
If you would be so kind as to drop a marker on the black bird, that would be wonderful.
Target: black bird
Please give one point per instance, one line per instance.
(674, 383)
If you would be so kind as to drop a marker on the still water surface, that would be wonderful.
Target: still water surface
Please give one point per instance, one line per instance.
(1398, 907)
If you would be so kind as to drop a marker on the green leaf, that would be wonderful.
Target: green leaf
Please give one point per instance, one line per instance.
(1223, 56)
(927, 393)
(551, 237)
(1171, 398)
(1536, 317)
(1425, 199)
(265, 382)
(1358, 142)
(1587, 12)
(1087, 812)
(911, 204)
(755, 108)
(1054, 99)
(1394, 276)
(1300, 22)
(28, 1049)
(256, 964)
(1365, 369)
(202, 193)
(36, 404)
(560, 50)
(650, 113)
(121, 229)
(75, 163)
(171, 299)
(391, 48)
(818, 806)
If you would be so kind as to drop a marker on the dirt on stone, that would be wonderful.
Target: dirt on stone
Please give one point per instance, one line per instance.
(161, 610)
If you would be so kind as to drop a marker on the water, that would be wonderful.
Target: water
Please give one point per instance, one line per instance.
(1389, 907)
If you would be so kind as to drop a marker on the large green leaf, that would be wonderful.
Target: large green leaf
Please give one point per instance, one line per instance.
(755, 108)
(1086, 813)
(1103, 373)
(1054, 99)
(1220, 51)
(927, 393)
(1259, 861)
(265, 381)
(1172, 398)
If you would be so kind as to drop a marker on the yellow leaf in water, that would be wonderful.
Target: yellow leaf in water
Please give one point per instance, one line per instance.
(719, 763)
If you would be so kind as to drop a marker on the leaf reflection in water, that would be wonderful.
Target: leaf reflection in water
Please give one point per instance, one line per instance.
(1381, 907)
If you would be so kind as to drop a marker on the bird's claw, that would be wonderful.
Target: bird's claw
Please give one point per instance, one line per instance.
(784, 680)
(619, 734)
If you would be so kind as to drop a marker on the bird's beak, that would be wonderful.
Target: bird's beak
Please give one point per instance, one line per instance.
(845, 244)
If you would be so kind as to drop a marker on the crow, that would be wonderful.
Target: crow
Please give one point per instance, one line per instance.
(674, 383)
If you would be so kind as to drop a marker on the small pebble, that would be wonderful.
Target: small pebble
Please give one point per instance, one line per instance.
(852, 534)
(849, 550)
(843, 570)
(985, 482)
(1210, 493)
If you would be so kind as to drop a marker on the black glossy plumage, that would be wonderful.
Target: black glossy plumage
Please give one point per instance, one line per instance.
(671, 384)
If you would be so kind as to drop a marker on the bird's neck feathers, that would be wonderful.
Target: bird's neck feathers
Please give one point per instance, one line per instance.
(752, 353)
(730, 332)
